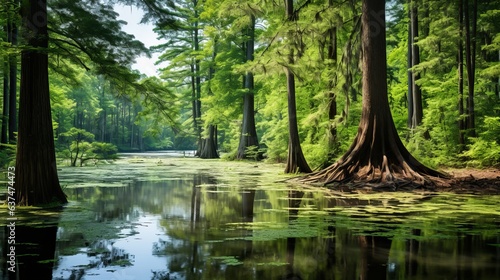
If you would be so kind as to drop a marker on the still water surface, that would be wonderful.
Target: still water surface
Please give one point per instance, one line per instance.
(195, 226)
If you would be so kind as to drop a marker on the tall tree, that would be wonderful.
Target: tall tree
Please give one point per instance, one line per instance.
(296, 162)
(209, 142)
(5, 107)
(377, 154)
(9, 115)
(248, 136)
(36, 172)
(470, 51)
(331, 46)
(410, 71)
(13, 32)
(197, 78)
(417, 110)
(180, 52)
(460, 58)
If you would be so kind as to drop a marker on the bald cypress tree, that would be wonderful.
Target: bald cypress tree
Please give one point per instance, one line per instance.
(296, 162)
(377, 155)
(36, 173)
(248, 137)
(84, 34)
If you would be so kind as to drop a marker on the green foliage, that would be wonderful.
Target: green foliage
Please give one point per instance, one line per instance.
(104, 150)
(7, 155)
(76, 135)
(485, 149)
(84, 31)
(482, 153)
(253, 152)
(122, 108)
(316, 154)
(152, 143)
(80, 146)
(491, 129)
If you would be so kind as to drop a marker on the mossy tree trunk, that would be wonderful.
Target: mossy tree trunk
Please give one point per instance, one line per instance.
(296, 162)
(417, 110)
(209, 143)
(248, 137)
(377, 154)
(37, 182)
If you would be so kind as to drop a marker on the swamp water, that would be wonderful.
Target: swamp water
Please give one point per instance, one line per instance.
(159, 217)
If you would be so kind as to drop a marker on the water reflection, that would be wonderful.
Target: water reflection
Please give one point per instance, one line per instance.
(33, 247)
(198, 227)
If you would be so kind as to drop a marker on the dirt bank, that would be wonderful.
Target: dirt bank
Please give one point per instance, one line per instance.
(475, 181)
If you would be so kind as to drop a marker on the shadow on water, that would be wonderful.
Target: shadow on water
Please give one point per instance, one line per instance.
(200, 227)
(29, 246)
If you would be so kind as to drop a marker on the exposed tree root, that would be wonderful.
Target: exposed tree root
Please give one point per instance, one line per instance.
(364, 168)
(347, 176)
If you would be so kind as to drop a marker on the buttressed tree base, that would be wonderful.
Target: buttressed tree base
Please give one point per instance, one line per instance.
(377, 156)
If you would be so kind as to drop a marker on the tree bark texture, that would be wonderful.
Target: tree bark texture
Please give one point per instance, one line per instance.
(333, 143)
(5, 111)
(209, 144)
(296, 162)
(470, 50)
(248, 136)
(13, 86)
(36, 172)
(197, 79)
(377, 155)
(417, 111)
(410, 72)
(461, 120)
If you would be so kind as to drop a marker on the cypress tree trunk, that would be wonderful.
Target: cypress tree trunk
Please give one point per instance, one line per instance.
(470, 50)
(461, 121)
(410, 72)
(5, 111)
(248, 136)
(197, 81)
(377, 155)
(417, 111)
(9, 116)
(36, 172)
(331, 44)
(296, 162)
(194, 111)
(13, 88)
(209, 144)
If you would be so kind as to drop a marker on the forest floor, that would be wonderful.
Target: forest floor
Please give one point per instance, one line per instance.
(471, 181)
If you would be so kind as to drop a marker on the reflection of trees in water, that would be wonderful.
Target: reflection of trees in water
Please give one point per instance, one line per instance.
(196, 213)
(118, 206)
(122, 203)
(34, 247)
(294, 201)
(211, 207)
(101, 254)
(106, 254)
